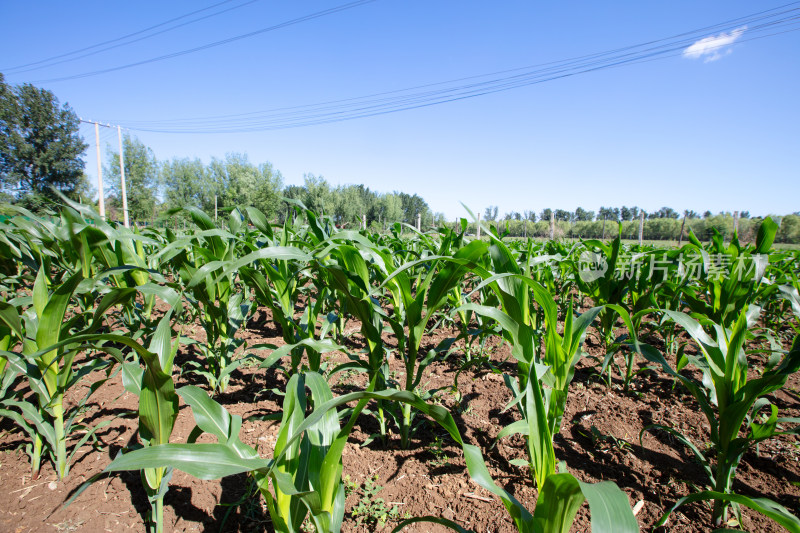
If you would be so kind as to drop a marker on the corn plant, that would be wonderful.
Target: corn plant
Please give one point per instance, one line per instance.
(158, 409)
(413, 309)
(304, 477)
(542, 384)
(730, 276)
(603, 288)
(348, 275)
(732, 403)
(49, 345)
(221, 312)
(278, 283)
(557, 504)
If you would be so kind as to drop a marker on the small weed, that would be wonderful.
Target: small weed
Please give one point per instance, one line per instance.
(371, 510)
(439, 455)
(602, 441)
(346, 377)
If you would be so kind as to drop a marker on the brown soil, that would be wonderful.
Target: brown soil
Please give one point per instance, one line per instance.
(422, 480)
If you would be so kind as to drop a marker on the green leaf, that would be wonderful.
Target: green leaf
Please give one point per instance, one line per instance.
(764, 506)
(203, 461)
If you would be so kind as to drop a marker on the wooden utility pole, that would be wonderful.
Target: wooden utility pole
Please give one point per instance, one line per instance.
(125, 219)
(102, 197)
(641, 226)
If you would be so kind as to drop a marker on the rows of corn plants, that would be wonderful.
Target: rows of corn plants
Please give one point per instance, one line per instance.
(83, 298)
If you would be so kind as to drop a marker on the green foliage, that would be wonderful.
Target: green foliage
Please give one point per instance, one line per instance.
(238, 183)
(730, 399)
(371, 510)
(78, 283)
(40, 147)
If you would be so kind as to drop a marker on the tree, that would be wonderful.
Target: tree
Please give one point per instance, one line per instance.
(582, 215)
(608, 213)
(490, 214)
(412, 206)
(563, 215)
(40, 146)
(141, 177)
(529, 215)
(390, 208)
(546, 214)
(318, 193)
(238, 183)
(186, 182)
(348, 205)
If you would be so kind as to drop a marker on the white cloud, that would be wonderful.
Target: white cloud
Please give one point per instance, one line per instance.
(714, 47)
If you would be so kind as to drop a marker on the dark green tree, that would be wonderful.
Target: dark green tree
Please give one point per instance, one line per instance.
(582, 215)
(40, 146)
(413, 205)
(563, 215)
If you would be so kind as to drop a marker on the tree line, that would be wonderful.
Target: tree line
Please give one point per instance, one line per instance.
(613, 214)
(656, 228)
(41, 151)
(233, 181)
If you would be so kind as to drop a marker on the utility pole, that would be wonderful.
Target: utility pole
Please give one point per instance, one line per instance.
(683, 223)
(99, 171)
(641, 226)
(552, 224)
(736, 222)
(215, 208)
(124, 187)
(419, 222)
(100, 191)
(479, 225)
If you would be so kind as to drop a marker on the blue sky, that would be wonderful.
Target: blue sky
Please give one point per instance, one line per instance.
(711, 127)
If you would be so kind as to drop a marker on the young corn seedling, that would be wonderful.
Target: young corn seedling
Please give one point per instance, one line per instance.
(221, 311)
(731, 276)
(304, 476)
(557, 505)
(602, 287)
(413, 309)
(731, 398)
(158, 409)
(542, 385)
(49, 346)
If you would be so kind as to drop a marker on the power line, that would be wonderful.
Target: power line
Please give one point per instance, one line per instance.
(229, 40)
(760, 25)
(27, 67)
